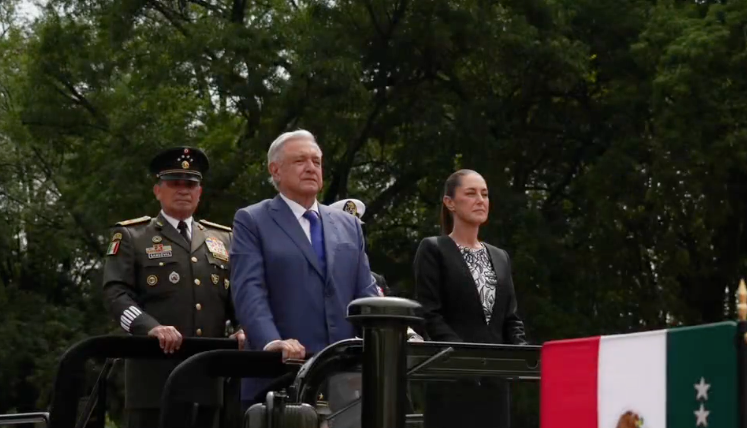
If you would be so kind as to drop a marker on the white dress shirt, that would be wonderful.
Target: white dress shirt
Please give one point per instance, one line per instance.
(174, 222)
(299, 211)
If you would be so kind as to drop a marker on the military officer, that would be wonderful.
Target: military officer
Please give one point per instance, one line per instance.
(357, 208)
(168, 277)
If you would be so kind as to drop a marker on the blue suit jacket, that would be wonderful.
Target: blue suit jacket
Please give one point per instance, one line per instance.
(278, 288)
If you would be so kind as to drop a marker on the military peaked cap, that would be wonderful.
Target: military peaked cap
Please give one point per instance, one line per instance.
(350, 206)
(180, 163)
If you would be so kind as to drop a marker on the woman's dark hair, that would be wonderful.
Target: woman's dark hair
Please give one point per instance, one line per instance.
(454, 181)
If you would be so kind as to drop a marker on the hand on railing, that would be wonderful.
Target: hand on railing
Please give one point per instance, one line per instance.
(240, 336)
(290, 348)
(168, 337)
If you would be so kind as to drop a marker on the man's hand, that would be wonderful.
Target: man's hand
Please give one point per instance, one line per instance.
(168, 337)
(290, 348)
(240, 336)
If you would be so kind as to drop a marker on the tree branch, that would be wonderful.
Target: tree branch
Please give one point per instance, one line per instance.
(409, 179)
(79, 99)
(210, 7)
(88, 236)
(52, 223)
(339, 185)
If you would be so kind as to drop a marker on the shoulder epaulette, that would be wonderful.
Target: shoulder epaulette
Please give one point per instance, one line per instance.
(215, 225)
(142, 219)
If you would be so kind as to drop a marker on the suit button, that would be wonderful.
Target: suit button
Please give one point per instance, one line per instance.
(197, 282)
(199, 332)
(160, 264)
(194, 259)
(198, 306)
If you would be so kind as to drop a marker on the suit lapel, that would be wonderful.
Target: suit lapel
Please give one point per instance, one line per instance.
(329, 228)
(496, 259)
(168, 231)
(283, 216)
(453, 253)
(198, 236)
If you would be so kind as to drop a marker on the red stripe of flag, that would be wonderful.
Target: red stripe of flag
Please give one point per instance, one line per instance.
(568, 396)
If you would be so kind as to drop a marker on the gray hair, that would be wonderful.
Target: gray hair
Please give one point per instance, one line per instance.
(276, 148)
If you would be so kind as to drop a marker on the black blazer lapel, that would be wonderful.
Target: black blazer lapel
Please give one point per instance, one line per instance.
(464, 279)
(283, 216)
(168, 231)
(500, 265)
(329, 228)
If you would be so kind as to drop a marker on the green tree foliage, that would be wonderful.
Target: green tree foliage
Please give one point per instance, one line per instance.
(612, 135)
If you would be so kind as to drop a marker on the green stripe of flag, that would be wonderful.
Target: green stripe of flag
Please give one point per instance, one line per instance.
(702, 376)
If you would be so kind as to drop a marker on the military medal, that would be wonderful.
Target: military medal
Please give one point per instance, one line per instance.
(215, 278)
(152, 280)
(158, 251)
(216, 247)
(156, 239)
(117, 236)
(174, 277)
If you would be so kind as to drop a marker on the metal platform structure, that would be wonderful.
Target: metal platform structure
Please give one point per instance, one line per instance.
(383, 357)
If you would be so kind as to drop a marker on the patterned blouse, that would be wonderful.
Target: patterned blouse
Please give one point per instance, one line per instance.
(478, 261)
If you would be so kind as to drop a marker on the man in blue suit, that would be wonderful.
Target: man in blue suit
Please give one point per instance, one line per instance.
(296, 264)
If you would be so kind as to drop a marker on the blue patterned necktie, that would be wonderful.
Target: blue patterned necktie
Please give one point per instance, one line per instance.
(317, 238)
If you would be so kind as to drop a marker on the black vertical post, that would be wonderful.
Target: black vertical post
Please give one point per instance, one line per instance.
(742, 373)
(384, 321)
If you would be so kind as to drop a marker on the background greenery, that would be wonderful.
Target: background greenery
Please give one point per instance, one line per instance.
(612, 135)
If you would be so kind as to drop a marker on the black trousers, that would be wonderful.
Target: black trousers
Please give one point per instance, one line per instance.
(190, 416)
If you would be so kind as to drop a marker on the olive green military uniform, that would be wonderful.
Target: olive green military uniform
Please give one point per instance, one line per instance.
(152, 277)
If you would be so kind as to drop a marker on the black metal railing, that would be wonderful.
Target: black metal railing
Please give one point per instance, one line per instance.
(96, 404)
(213, 357)
(425, 361)
(422, 361)
(340, 357)
(25, 418)
(224, 363)
(513, 362)
(68, 387)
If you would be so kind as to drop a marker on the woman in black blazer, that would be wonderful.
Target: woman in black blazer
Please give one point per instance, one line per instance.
(467, 294)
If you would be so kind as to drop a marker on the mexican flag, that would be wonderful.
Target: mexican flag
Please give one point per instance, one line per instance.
(676, 378)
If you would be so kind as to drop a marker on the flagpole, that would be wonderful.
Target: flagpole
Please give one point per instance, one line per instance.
(742, 353)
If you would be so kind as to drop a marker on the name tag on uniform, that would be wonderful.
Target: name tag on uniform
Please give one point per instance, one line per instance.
(158, 251)
(217, 248)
